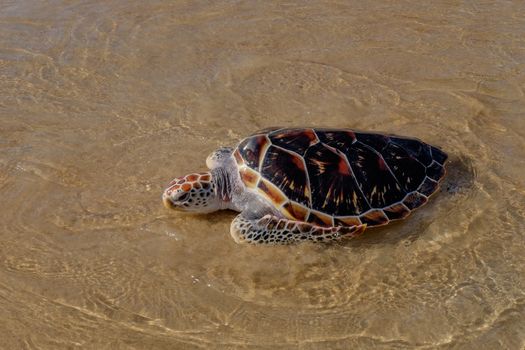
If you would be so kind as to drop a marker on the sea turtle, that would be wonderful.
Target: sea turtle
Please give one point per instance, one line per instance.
(311, 184)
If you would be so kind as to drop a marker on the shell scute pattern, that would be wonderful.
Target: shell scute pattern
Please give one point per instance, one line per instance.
(296, 140)
(376, 141)
(252, 148)
(295, 211)
(415, 148)
(396, 211)
(320, 218)
(376, 180)
(339, 176)
(435, 171)
(414, 200)
(287, 171)
(428, 186)
(347, 221)
(271, 192)
(341, 140)
(438, 155)
(374, 217)
(334, 186)
(406, 169)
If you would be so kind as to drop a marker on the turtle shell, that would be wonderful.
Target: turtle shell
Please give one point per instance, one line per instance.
(333, 177)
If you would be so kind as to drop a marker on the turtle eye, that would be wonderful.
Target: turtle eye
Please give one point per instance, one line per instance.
(183, 197)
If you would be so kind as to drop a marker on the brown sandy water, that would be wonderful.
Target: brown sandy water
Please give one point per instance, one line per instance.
(103, 103)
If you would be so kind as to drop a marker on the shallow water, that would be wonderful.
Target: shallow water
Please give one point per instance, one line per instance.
(103, 103)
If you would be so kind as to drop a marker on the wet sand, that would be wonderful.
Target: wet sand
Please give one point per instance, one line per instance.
(103, 103)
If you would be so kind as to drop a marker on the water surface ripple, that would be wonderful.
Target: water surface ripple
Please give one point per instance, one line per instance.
(103, 103)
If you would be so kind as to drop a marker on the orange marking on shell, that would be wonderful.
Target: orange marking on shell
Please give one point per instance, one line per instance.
(196, 185)
(343, 168)
(263, 144)
(298, 163)
(374, 218)
(238, 158)
(192, 177)
(186, 187)
(271, 192)
(262, 141)
(347, 221)
(249, 177)
(295, 211)
(311, 135)
(321, 219)
(359, 230)
(382, 164)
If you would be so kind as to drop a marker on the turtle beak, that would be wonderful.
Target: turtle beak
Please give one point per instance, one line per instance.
(170, 202)
(167, 195)
(167, 201)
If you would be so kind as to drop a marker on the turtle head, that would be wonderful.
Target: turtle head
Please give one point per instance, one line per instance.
(192, 193)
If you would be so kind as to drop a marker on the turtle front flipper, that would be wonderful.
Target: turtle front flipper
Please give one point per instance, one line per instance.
(273, 230)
